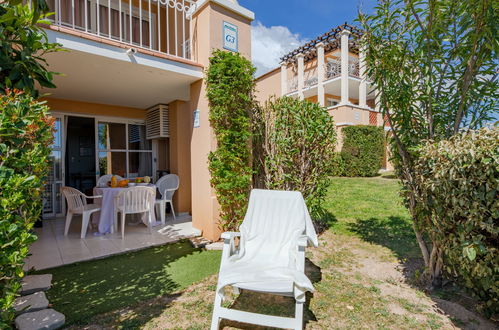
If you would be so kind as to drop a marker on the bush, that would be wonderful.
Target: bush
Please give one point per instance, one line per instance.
(25, 138)
(458, 180)
(230, 88)
(363, 149)
(338, 165)
(294, 144)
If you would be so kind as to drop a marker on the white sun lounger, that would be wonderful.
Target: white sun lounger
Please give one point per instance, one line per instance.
(270, 257)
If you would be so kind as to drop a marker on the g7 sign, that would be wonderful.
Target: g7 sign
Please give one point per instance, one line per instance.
(230, 37)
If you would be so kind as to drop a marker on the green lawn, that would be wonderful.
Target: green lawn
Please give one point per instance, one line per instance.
(371, 209)
(355, 270)
(85, 289)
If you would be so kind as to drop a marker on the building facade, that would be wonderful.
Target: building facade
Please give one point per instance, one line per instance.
(328, 70)
(130, 99)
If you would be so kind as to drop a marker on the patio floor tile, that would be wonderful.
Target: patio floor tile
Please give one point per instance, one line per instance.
(53, 249)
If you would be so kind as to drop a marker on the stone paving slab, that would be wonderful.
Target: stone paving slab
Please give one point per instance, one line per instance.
(31, 303)
(215, 246)
(199, 242)
(46, 319)
(35, 283)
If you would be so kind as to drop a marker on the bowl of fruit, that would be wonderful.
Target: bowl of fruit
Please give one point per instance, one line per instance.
(141, 181)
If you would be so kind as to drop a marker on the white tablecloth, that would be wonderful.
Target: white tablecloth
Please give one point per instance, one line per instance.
(106, 214)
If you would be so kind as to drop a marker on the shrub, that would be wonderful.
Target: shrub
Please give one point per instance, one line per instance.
(338, 165)
(458, 180)
(362, 150)
(23, 44)
(25, 138)
(230, 89)
(294, 145)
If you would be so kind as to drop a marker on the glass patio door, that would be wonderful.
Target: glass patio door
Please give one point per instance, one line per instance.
(53, 204)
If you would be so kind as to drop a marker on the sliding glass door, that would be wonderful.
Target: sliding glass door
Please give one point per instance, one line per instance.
(123, 150)
(52, 199)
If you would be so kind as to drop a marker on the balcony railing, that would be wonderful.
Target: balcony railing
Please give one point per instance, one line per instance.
(157, 25)
(333, 68)
(293, 84)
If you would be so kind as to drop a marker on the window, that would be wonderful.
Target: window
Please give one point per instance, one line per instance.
(124, 150)
(330, 102)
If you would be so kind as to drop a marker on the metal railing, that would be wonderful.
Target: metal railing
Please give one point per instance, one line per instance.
(333, 67)
(293, 84)
(157, 25)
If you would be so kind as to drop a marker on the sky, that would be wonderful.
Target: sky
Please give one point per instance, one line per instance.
(283, 25)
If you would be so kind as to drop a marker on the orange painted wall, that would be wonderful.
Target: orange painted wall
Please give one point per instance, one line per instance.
(97, 109)
(180, 121)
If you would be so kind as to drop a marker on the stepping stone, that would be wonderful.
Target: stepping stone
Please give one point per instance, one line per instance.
(35, 283)
(46, 319)
(215, 246)
(199, 242)
(31, 303)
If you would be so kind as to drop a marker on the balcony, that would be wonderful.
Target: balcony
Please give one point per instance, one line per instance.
(157, 26)
(333, 67)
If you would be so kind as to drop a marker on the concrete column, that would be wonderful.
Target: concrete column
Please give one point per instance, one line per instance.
(301, 74)
(363, 81)
(284, 79)
(344, 67)
(320, 74)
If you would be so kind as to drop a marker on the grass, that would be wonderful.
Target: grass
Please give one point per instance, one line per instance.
(354, 270)
(85, 289)
(370, 208)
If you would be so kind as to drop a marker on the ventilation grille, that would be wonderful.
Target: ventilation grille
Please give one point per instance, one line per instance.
(157, 125)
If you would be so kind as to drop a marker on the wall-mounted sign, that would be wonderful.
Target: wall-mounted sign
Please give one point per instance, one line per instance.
(196, 118)
(230, 36)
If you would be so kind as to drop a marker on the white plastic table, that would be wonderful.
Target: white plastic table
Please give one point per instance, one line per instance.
(106, 214)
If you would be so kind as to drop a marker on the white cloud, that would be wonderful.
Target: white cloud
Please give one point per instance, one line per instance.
(269, 44)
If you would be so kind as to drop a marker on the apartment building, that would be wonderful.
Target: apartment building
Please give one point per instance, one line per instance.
(130, 99)
(329, 70)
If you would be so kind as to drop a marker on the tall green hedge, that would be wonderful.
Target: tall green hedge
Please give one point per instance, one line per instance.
(293, 149)
(25, 138)
(362, 151)
(458, 181)
(230, 89)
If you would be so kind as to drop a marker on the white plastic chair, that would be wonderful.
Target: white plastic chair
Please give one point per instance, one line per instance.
(131, 201)
(167, 185)
(103, 180)
(270, 257)
(77, 204)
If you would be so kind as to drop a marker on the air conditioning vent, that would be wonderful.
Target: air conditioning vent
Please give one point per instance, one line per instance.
(157, 125)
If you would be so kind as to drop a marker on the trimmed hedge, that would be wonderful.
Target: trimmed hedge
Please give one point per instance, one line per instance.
(25, 139)
(362, 151)
(458, 180)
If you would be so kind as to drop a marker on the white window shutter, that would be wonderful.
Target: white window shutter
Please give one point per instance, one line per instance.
(157, 125)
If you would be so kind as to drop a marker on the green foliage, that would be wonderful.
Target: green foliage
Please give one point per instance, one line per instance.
(459, 194)
(230, 88)
(294, 144)
(433, 64)
(23, 45)
(338, 165)
(25, 138)
(362, 151)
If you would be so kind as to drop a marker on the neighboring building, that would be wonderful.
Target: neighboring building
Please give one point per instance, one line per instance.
(131, 97)
(328, 70)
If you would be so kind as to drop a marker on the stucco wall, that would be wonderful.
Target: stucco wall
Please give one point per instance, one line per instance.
(206, 33)
(96, 109)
